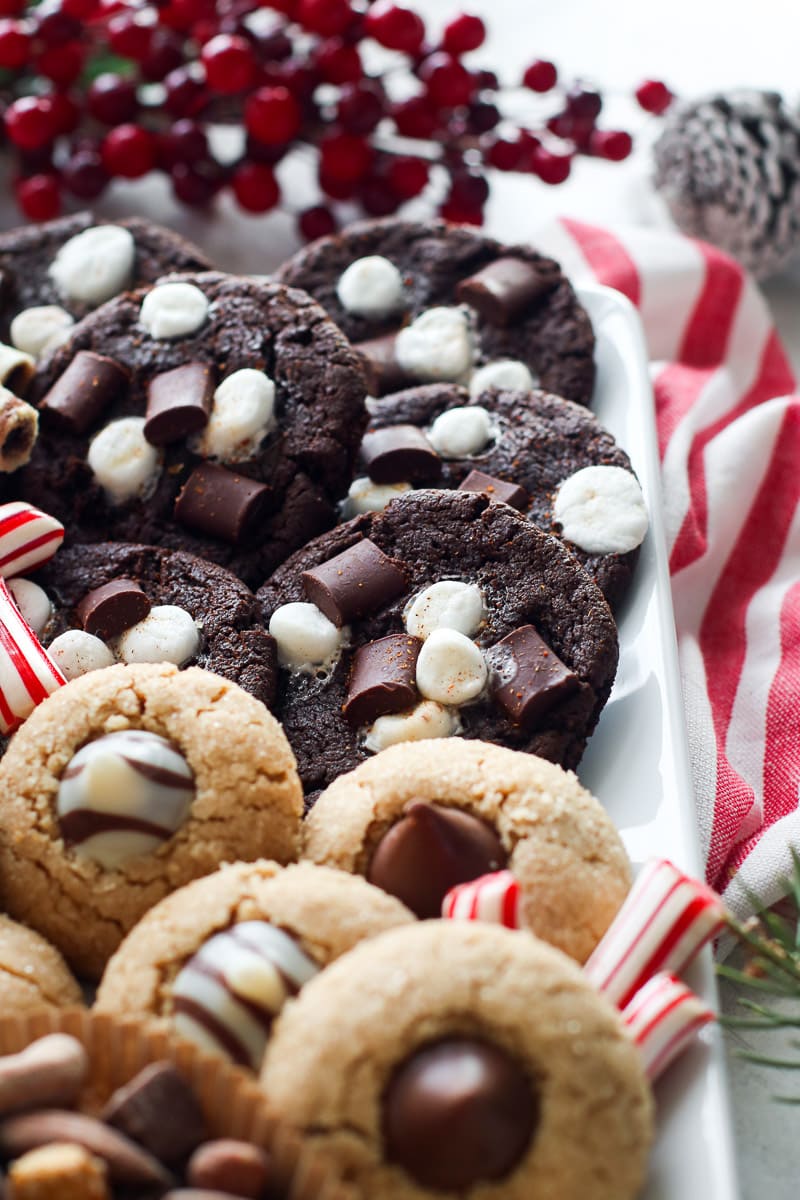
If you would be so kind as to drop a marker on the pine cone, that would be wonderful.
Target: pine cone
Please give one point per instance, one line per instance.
(729, 168)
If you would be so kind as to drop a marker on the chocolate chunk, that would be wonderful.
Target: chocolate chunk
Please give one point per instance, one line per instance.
(382, 678)
(383, 371)
(109, 610)
(504, 289)
(159, 1110)
(178, 403)
(527, 676)
(230, 1167)
(220, 503)
(495, 489)
(457, 1113)
(358, 581)
(400, 453)
(80, 395)
(431, 849)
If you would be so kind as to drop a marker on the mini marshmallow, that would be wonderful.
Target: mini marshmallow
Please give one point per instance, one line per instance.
(76, 653)
(306, 639)
(122, 459)
(461, 432)
(601, 510)
(243, 412)
(448, 604)
(33, 602)
(365, 496)
(506, 373)
(450, 668)
(436, 346)
(16, 368)
(173, 310)
(167, 634)
(94, 265)
(371, 287)
(427, 720)
(38, 330)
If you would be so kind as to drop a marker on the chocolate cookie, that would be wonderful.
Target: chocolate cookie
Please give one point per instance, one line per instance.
(463, 302)
(210, 414)
(463, 1060)
(443, 615)
(531, 450)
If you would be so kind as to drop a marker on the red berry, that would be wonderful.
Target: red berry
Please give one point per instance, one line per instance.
(504, 155)
(486, 81)
(81, 10)
(345, 157)
(66, 112)
(408, 176)
(229, 63)
(255, 187)
(460, 216)
(30, 123)
(584, 103)
(463, 33)
(337, 189)
(11, 8)
(448, 81)
(112, 99)
(62, 64)
(183, 14)
(300, 78)
(378, 197)
(15, 45)
(130, 34)
(56, 27)
(576, 129)
(316, 222)
(482, 117)
(185, 142)
(361, 106)
(274, 46)
(415, 118)
(613, 144)
(468, 191)
(260, 152)
(272, 115)
(186, 95)
(551, 168)
(540, 76)
(164, 54)
(129, 151)
(337, 62)
(394, 27)
(39, 197)
(193, 187)
(654, 96)
(326, 17)
(84, 175)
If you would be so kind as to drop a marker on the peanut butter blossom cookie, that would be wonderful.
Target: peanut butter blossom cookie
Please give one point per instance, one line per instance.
(126, 784)
(32, 972)
(442, 616)
(208, 413)
(426, 302)
(466, 1060)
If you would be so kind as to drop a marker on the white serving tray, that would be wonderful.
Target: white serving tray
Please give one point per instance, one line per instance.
(637, 763)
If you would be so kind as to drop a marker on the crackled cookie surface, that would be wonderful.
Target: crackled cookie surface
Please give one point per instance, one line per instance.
(32, 972)
(128, 783)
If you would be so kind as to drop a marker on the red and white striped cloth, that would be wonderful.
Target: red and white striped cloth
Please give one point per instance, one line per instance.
(729, 441)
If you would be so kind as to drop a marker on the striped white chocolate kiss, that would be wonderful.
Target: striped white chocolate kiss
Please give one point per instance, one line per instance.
(663, 1018)
(665, 920)
(122, 795)
(27, 673)
(28, 538)
(493, 898)
(227, 996)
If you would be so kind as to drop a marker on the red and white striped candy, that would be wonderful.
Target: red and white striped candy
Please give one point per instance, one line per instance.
(662, 1018)
(28, 538)
(664, 921)
(27, 674)
(493, 898)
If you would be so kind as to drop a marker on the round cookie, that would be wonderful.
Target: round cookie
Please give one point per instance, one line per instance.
(547, 1096)
(534, 441)
(531, 315)
(522, 601)
(32, 972)
(556, 839)
(228, 419)
(94, 831)
(324, 913)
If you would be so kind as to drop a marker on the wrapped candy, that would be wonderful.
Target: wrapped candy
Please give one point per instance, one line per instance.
(662, 1018)
(493, 898)
(28, 538)
(27, 674)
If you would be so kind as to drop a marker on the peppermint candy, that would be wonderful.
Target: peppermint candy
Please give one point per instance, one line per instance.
(662, 1018)
(28, 538)
(27, 674)
(493, 898)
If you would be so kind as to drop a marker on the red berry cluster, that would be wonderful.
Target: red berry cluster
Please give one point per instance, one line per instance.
(93, 90)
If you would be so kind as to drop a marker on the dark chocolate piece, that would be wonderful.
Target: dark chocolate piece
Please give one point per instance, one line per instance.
(504, 289)
(382, 678)
(221, 503)
(230, 1167)
(383, 371)
(159, 1110)
(458, 1112)
(400, 453)
(358, 581)
(495, 489)
(178, 403)
(527, 676)
(431, 849)
(109, 610)
(81, 394)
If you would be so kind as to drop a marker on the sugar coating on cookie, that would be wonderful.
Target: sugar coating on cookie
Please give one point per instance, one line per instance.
(32, 971)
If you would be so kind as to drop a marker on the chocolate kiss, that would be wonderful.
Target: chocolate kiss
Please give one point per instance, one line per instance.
(431, 849)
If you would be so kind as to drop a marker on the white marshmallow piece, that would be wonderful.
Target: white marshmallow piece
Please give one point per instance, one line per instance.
(602, 510)
(506, 373)
(436, 346)
(173, 310)
(461, 432)
(371, 287)
(365, 496)
(167, 634)
(33, 602)
(448, 604)
(242, 414)
(94, 265)
(123, 461)
(40, 329)
(450, 668)
(306, 639)
(77, 653)
(427, 720)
